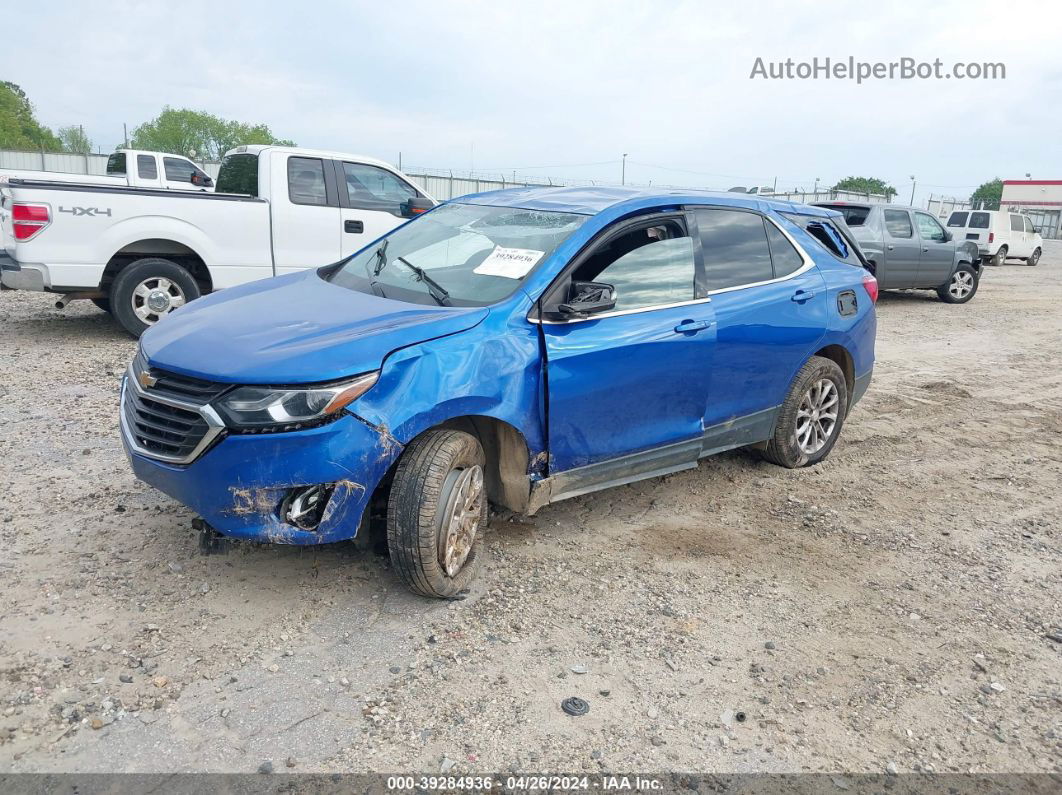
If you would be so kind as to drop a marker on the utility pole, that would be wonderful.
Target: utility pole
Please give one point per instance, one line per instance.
(399, 161)
(125, 134)
(912, 190)
(815, 190)
(623, 170)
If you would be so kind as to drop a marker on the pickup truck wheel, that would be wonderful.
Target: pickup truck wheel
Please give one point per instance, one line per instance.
(1001, 256)
(147, 289)
(811, 417)
(436, 513)
(961, 287)
(1035, 258)
(102, 303)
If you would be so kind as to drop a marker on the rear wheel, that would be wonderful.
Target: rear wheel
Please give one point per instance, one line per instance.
(1001, 256)
(1034, 259)
(961, 287)
(147, 290)
(436, 513)
(811, 417)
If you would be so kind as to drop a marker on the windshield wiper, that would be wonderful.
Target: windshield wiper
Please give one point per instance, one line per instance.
(436, 290)
(381, 258)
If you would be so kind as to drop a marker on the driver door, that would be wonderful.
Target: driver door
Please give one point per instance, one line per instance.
(627, 387)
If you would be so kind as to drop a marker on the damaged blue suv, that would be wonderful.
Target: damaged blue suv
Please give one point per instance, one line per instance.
(517, 347)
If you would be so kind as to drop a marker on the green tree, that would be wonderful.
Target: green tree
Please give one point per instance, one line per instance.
(990, 194)
(866, 185)
(19, 128)
(74, 140)
(181, 131)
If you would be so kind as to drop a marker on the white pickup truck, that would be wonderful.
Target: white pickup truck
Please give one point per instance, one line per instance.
(140, 253)
(132, 168)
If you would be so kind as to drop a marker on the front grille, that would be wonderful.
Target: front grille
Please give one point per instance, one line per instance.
(170, 420)
(179, 387)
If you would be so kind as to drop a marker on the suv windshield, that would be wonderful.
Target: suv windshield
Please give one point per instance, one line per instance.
(457, 254)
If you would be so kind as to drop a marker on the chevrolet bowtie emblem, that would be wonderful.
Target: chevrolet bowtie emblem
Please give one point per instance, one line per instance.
(146, 379)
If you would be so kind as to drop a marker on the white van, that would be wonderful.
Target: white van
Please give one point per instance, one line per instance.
(999, 235)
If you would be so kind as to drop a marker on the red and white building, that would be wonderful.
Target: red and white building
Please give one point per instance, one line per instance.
(1040, 199)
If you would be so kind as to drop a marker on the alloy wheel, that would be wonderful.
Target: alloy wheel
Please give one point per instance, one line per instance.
(961, 285)
(156, 297)
(461, 517)
(817, 416)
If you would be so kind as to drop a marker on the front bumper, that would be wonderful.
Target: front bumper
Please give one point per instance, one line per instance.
(237, 486)
(16, 276)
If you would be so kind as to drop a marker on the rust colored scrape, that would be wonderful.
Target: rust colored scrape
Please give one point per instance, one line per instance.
(251, 501)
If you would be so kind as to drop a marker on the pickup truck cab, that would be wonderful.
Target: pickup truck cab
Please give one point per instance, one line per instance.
(999, 235)
(908, 248)
(140, 253)
(132, 168)
(521, 346)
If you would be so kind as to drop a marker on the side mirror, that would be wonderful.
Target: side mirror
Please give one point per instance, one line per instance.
(415, 207)
(201, 179)
(948, 236)
(589, 298)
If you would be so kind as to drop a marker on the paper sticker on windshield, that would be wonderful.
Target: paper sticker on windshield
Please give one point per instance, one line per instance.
(512, 263)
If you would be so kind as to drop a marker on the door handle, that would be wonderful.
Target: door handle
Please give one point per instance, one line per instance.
(353, 227)
(925, 249)
(890, 247)
(800, 296)
(691, 326)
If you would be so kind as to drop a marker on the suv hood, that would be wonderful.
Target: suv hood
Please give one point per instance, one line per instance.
(293, 329)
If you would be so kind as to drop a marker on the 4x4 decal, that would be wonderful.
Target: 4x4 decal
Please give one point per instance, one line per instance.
(85, 210)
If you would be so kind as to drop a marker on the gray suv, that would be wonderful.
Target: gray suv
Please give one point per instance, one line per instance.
(909, 248)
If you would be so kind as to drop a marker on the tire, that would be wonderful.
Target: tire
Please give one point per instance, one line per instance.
(961, 287)
(102, 303)
(1034, 259)
(436, 484)
(1000, 257)
(784, 448)
(153, 279)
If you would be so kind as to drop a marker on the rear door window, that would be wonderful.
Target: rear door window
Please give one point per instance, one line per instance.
(898, 224)
(979, 220)
(306, 181)
(146, 167)
(785, 257)
(735, 248)
(958, 220)
(1016, 224)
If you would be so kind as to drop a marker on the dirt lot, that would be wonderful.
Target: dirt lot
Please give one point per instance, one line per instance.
(890, 608)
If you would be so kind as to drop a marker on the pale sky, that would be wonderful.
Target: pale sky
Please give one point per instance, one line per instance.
(563, 89)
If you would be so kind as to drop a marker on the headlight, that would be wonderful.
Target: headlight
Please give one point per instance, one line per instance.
(273, 408)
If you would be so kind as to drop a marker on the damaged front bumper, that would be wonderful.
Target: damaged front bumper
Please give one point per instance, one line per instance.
(244, 485)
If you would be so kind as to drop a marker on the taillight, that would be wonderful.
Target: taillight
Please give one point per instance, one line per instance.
(991, 237)
(870, 284)
(29, 219)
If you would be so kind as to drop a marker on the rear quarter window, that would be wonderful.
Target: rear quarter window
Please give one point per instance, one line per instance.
(829, 235)
(979, 220)
(958, 220)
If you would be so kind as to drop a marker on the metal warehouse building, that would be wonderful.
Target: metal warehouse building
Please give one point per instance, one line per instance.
(1040, 199)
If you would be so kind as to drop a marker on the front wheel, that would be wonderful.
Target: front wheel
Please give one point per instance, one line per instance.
(147, 290)
(811, 417)
(961, 287)
(1034, 259)
(436, 513)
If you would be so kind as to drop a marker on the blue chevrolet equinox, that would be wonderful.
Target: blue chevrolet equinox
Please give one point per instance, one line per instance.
(516, 347)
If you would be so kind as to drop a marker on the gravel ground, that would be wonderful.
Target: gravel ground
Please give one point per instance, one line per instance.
(897, 607)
